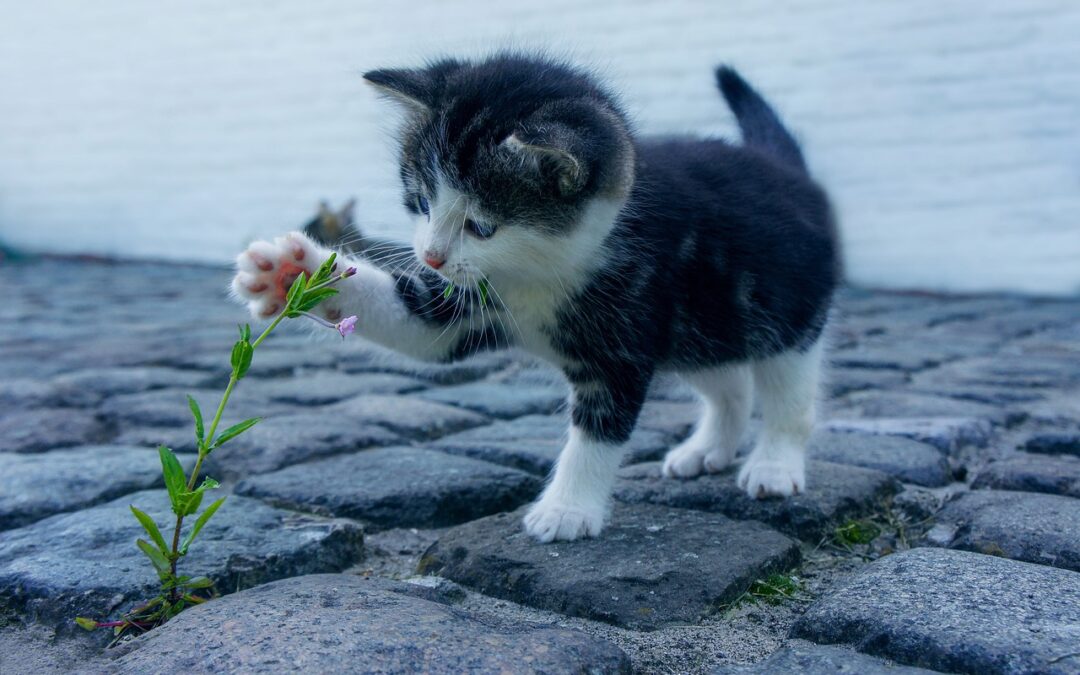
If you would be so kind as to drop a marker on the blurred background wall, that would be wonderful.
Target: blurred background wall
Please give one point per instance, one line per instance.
(947, 130)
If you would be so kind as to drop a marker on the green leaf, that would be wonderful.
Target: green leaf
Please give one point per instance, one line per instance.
(88, 624)
(237, 354)
(151, 528)
(295, 291)
(448, 291)
(245, 364)
(175, 481)
(199, 582)
(199, 522)
(192, 500)
(313, 298)
(324, 271)
(159, 561)
(200, 430)
(173, 609)
(245, 332)
(241, 357)
(234, 431)
(483, 288)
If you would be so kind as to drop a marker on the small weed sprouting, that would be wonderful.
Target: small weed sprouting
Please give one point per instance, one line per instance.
(178, 592)
(772, 590)
(775, 588)
(856, 533)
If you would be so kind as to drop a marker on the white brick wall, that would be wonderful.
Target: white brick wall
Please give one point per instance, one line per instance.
(947, 130)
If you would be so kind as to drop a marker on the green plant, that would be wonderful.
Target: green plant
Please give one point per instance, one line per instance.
(856, 532)
(178, 592)
(775, 588)
(771, 590)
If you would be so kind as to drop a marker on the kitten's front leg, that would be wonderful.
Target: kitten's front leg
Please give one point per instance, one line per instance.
(410, 314)
(576, 502)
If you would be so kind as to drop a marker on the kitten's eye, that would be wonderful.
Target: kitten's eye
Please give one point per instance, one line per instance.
(422, 204)
(479, 230)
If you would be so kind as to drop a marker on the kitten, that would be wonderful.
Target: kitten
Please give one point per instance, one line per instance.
(542, 222)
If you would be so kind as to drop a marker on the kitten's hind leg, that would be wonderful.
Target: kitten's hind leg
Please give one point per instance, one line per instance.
(787, 389)
(726, 394)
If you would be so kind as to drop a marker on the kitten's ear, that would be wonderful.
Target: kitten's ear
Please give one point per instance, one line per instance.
(551, 151)
(411, 88)
(328, 220)
(347, 211)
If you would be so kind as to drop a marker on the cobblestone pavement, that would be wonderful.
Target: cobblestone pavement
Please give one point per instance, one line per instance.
(374, 521)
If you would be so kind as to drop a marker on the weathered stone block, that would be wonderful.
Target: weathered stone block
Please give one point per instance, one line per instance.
(342, 623)
(835, 493)
(651, 567)
(396, 487)
(954, 611)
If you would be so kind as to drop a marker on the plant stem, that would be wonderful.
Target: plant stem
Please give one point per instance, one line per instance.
(204, 451)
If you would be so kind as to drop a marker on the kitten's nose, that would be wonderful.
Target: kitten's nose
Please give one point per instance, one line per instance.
(434, 260)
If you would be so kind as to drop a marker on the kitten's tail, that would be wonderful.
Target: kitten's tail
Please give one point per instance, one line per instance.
(760, 125)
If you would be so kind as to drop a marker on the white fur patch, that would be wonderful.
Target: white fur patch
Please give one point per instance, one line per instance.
(576, 501)
(787, 388)
(726, 394)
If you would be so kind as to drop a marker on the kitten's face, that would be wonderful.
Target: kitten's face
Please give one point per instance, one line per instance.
(514, 168)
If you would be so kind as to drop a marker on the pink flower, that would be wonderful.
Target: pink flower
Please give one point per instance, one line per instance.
(346, 326)
(348, 273)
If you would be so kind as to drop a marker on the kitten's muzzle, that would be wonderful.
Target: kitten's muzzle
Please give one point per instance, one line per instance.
(434, 260)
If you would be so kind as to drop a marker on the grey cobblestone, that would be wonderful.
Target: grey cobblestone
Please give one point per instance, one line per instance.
(1033, 473)
(42, 429)
(894, 404)
(92, 386)
(954, 611)
(902, 458)
(39, 485)
(169, 407)
(1055, 443)
(504, 400)
(532, 443)
(408, 416)
(321, 387)
(811, 659)
(289, 439)
(835, 494)
(947, 434)
(654, 566)
(342, 623)
(396, 487)
(1033, 527)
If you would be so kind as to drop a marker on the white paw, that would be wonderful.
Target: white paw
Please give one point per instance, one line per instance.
(685, 460)
(772, 478)
(266, 270)
(549, 520)
(717, 460)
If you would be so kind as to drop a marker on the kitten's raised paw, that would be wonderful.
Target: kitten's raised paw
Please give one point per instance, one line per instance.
(266, 270)
(550, 521)
(772, 478)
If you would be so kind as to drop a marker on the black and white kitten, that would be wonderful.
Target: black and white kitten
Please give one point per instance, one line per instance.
(613, 257)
